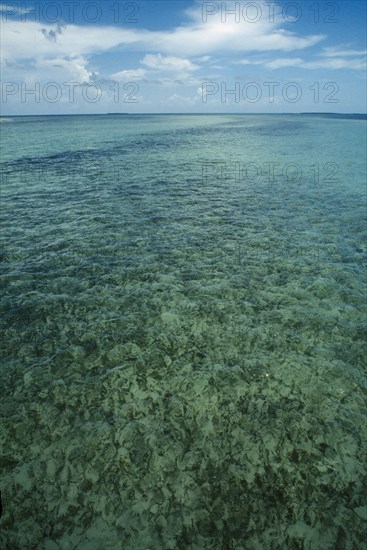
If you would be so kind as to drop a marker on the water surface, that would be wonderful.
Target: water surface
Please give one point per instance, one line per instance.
(183, 329)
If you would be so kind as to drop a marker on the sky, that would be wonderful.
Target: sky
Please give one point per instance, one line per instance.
(182, 56)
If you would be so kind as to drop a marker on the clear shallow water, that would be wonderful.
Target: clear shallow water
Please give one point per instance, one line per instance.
(183, 332)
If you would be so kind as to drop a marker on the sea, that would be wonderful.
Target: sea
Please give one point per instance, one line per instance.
(183, 332)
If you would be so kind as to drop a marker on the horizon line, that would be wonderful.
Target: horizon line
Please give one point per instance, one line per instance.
(186, 113)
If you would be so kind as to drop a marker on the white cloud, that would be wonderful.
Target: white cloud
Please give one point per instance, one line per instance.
(232, 37)
(72, 69)
(25, 40)
(328, 63)
(248, 62)
(129, 75)
(30, 39)
(180, 99)
(202, 38)
(283, 62)
(168, 63)
(161, 70)
(57, 69)
(336, 63)
(335, 52)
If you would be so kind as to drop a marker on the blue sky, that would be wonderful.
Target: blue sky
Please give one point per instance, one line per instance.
(183, 56)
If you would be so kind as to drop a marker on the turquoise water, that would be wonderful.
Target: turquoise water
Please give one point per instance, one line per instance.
(183, 332)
